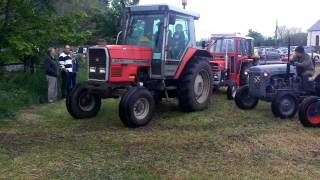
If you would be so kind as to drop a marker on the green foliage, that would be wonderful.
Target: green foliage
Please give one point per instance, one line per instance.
(18, 90)
(29, 27)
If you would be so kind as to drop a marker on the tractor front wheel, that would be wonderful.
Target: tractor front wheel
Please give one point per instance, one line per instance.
(285, 105)
(309, 112)
(231, 90)
(243, 99)
(81, 104)
(136, 107)
(195, 86)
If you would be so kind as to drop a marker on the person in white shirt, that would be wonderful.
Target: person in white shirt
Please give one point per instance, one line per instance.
(65, 61)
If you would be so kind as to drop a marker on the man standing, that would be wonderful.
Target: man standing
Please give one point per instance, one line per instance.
(65, 61)
(51, 69)
(304, 64)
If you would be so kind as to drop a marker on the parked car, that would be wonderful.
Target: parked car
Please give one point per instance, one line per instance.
(269, 54)
(283, 52)
(312, 52)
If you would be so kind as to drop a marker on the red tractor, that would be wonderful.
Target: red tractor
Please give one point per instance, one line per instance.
(158, 59)
(233, 55)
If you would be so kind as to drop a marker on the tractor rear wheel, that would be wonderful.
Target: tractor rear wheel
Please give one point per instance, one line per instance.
(243, 100)
(285, 105)
(231, 90)
(309, 112)
(136, 108)
(195, 86)
(81, 104)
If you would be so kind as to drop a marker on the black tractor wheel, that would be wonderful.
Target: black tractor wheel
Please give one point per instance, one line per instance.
(244, 78)
(195, 86)
(81, 104)
(285, 105)
(274, 111)
(309, 112)
(136, 108)
(243, 100)
(231, 90)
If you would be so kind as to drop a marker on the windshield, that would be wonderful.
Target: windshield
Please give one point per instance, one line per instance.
(221, 45)
(146, 31)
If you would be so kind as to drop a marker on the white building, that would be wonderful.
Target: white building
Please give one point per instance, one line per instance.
(314, 35)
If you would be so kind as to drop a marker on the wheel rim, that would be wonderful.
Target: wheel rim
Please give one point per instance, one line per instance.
(287, 106)
(234, 91)
(202, 86)
(86, 102)
(313, 113)
(141, 108)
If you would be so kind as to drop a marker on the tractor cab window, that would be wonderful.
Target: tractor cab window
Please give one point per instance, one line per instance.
(146, 31)
(178, 38)
(224, 45)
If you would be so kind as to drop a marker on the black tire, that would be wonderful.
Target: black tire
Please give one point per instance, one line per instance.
(304, 118)
(195, 86)
(285, 105)
(273, 110)
(243, 100)
(231, 90)
(244, 78)
(80, 104)
(136, 96)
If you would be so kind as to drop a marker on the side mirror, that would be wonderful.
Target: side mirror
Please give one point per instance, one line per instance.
(172, 19)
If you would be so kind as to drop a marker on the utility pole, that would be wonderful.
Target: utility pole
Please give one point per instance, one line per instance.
(184, 3)
(276, 34)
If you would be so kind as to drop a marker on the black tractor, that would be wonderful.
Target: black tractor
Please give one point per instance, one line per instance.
(278, 84)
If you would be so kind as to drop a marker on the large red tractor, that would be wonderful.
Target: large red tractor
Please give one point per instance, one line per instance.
(158, 59)
(233, 55)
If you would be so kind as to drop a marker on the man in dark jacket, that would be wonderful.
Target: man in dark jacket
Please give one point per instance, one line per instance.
(51, 69)
(304, 64)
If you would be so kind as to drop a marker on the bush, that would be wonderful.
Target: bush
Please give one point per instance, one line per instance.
(18, 89)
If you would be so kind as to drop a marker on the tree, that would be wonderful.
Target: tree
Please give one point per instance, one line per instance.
(258, 37)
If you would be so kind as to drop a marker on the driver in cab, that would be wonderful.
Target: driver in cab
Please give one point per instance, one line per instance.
(304, 65)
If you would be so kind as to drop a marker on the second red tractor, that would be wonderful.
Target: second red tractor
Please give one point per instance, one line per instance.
(232, 56)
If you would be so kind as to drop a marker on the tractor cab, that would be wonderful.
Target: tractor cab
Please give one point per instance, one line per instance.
(232, 55)
(167, 31)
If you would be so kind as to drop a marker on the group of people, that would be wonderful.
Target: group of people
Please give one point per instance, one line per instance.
(66, 68)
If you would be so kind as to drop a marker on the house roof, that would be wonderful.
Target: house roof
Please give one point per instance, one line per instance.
(315, 27)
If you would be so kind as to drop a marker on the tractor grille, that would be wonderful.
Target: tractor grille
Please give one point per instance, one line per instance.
(255, 81)
(98, 64)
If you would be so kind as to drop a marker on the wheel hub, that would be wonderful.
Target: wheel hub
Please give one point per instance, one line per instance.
(86, 102)
(202, 86)
(141, 108)
(286, 106)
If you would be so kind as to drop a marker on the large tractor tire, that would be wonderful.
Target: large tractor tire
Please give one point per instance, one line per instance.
(195, 86)
(81, 104)
(244, 79)
(285, 105)
(136, 108)
(231, 90)
(243, 100)
(309, 112)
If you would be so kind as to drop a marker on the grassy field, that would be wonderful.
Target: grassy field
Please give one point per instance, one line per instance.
(222, 142)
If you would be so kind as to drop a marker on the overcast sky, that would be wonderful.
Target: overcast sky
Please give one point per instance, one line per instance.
(229, 16)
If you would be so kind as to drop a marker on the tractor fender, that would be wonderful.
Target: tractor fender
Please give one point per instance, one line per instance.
(190, 53)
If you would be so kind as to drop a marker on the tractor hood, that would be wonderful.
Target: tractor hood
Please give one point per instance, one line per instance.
(129, 52)
(272, 68)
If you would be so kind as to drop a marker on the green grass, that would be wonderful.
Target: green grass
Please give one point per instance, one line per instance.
(222, 142)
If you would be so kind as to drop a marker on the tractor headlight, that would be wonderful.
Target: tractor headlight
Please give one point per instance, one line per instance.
(102, 70)
(246, 73)
(266, 74)
(92, 69)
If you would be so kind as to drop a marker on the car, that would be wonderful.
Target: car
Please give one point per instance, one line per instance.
(269, 54)
(311, 51)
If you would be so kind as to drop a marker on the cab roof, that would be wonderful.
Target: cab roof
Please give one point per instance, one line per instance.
(161, 7)
(232, 35)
